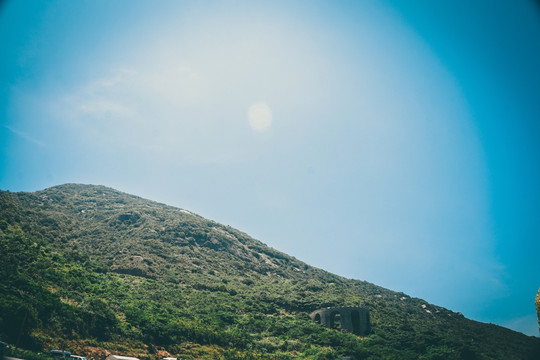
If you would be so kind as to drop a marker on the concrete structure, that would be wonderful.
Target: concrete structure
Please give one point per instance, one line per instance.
(350, 319)
(120, 357)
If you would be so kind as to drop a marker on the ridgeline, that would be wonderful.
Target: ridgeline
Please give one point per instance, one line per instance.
(97, 271)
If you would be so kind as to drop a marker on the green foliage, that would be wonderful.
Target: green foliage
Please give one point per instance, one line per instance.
(100, 269)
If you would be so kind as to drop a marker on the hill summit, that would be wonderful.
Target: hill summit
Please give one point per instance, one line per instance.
(98, 271)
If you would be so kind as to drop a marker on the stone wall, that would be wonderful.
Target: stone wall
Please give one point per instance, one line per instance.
(349, 319)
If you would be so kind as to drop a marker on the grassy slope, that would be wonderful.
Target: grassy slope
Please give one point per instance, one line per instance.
(115, 271)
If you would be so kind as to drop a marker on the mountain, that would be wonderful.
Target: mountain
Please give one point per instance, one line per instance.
(97, 271)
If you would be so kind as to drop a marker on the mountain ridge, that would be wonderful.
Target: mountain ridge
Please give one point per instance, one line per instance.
(231, 293)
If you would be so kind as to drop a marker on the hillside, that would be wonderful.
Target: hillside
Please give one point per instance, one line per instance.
(99, 271)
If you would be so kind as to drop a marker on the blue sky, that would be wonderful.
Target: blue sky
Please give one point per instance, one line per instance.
(393, 141)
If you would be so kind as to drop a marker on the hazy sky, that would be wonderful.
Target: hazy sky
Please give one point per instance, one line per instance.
(396, 142)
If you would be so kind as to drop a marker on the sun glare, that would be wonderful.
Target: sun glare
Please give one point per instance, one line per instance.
(260, 117)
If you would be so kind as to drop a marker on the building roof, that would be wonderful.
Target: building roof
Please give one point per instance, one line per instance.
(120, 357)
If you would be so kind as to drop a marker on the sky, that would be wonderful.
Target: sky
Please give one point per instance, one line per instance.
(396, 142)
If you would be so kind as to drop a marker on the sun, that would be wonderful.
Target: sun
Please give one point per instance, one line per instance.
(260, 117)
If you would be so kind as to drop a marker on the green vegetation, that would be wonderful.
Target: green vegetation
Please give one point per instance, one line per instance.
(95, 270)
